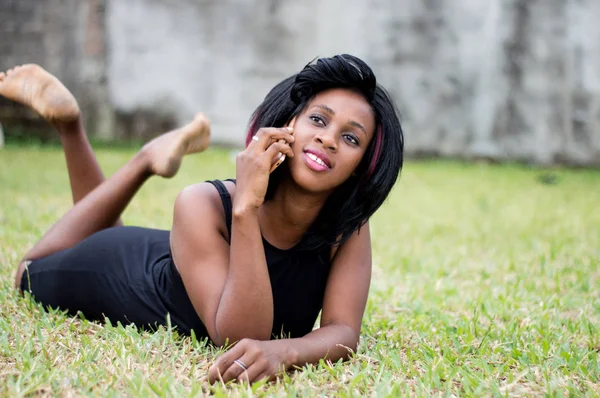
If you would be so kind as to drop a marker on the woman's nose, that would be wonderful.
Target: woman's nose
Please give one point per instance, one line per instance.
(327, 140)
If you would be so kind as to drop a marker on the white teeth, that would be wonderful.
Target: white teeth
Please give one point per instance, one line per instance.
(317, 159)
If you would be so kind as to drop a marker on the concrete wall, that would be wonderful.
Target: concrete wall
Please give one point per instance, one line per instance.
(67, 37)
(505, 79)
(220, 57)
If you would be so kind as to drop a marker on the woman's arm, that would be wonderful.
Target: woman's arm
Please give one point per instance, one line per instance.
(246, 305)
(343, 307)
(229, 285)
(213, 275)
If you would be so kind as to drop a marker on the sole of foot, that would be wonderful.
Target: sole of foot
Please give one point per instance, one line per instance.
(165, 152)
(34, 87)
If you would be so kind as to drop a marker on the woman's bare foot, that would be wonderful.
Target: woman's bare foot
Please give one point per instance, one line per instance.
(32, 86)
(164, 153)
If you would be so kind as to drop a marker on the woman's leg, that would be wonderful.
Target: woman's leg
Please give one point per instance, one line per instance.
(32, 86)
(98, 202)
(103, 206)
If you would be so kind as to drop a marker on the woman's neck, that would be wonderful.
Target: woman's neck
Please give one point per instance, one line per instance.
(286, 217)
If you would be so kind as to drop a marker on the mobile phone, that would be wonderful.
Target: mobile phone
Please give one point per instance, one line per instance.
(281, 158)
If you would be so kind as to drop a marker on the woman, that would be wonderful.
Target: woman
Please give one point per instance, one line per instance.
(247, 259)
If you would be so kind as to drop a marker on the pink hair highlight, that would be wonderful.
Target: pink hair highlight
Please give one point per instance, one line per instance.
(252, 129)
(377, 151)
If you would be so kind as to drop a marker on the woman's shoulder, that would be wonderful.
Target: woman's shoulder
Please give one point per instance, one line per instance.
(204, 201)
(360, 238)
(206, 192)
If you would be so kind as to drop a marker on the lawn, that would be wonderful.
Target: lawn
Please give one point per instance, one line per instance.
(486, 282)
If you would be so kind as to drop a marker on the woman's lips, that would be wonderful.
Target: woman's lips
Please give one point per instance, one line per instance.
(316, 160)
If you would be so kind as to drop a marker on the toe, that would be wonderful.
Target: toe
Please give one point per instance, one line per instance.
(2, 76)
(14, 70)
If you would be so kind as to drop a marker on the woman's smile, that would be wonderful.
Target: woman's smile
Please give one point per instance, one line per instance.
(316, 160)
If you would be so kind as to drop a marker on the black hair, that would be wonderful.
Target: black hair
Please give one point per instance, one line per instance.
(352, 203)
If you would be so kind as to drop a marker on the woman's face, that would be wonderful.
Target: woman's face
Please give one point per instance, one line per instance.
(332, 135)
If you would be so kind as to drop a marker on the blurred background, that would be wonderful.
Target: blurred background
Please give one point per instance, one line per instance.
(491, 79)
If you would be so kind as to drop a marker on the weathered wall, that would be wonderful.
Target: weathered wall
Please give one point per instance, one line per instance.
(506, 79)
(67, 37)
(220, 57)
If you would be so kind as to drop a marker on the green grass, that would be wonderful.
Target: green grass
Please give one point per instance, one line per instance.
(486, 282)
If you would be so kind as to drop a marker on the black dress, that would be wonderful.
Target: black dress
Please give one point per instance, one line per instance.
(127, 275)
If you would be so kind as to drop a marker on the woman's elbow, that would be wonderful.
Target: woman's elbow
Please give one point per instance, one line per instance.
(351, 340)
(350, 349)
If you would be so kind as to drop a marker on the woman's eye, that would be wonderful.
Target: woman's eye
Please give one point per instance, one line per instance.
(318, 120)
(351, 139)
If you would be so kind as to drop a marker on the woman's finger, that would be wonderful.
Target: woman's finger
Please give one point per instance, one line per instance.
(224, 362)
(266, 135)
(251, 374)
(278, 147)
(264, 375)
(238, 368)
(278, 159)
(290, 153)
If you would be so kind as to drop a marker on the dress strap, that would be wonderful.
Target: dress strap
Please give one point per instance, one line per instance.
(226, 199)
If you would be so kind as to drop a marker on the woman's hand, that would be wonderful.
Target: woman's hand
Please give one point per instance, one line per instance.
(254, 164)
(252, 360)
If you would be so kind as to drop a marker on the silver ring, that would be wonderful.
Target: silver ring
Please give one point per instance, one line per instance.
(255, 138)
(240, 364)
